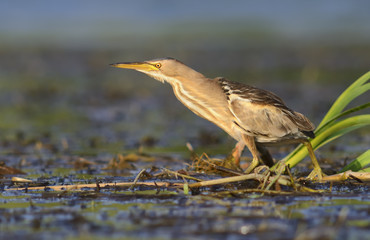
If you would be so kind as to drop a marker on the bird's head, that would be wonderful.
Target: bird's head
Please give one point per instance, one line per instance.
(162, 69)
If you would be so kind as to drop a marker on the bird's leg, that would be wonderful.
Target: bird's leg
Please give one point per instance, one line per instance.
(264, 155)
(237, 152)
(250, 143)
(316, 172)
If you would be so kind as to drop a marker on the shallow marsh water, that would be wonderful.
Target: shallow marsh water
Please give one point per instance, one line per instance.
(167, 213)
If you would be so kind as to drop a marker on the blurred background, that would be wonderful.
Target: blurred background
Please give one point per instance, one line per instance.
(56, 85)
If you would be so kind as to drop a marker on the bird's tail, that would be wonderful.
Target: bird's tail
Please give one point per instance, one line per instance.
(304, 124)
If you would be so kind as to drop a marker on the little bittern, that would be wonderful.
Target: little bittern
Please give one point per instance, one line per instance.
(252, 116)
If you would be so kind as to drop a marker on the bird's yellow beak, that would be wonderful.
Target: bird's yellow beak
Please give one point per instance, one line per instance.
(139, 66)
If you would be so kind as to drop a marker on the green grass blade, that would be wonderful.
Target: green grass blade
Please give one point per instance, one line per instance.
(349, 111)
(365, 170)
(359, 163)
(354, 90)
(360, 86)
(334, 131)
(336, 134)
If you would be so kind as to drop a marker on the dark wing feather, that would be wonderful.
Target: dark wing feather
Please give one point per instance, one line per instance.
(264, 97)
(254, 94)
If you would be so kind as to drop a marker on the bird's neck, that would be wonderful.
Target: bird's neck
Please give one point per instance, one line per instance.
(193, 78)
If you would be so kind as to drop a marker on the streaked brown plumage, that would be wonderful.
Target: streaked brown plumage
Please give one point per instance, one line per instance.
(252, 116)
(272, 120)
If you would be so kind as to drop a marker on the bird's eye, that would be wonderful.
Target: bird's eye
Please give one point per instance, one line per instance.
(158, 65)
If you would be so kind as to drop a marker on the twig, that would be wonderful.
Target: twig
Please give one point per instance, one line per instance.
(137, 178)
(227, 180)
(276, 178)
(363, 176)
(265, 180)
(253, 190)
(181, 175)
(78, 187)
(97, 185)
(291, 178)
(223, 169)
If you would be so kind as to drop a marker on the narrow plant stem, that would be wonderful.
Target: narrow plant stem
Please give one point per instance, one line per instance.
(281, 180)
(265, 181)
(362, 176)
(78, 187)
(276, 178)
(137, 178)
(181, 175)
(291, 178)
(227, 180)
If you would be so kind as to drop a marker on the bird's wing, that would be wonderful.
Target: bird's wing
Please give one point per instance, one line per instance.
(262, 113)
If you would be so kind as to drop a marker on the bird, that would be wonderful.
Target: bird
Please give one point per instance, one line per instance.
(254, 117)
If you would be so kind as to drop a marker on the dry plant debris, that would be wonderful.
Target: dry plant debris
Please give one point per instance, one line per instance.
(214, 172)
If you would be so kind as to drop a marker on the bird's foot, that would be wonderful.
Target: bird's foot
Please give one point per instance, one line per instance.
(316, 174)
(252, 166)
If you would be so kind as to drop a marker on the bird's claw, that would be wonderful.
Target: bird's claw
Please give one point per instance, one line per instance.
(252, 166)
(316, 174)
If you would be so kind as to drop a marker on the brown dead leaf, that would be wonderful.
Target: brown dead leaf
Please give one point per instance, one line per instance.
(81, 163)
(5, 170)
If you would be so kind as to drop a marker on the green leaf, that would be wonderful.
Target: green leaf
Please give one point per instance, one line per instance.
(330, 127)
(359, 163)
(349, 111)
(334, 131)
(354, 90)
(365, 170)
